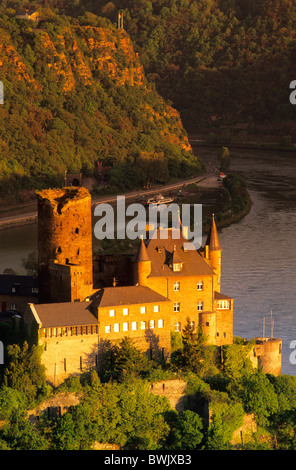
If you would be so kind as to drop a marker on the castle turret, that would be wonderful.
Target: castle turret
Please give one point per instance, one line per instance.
(141, 265)
(213, 251)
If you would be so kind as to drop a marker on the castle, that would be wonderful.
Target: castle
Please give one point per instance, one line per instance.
(165, 286)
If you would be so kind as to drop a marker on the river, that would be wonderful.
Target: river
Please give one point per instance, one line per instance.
(259, 252)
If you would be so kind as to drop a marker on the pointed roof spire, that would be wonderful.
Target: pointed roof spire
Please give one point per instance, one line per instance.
(142, 254)
(213, 239)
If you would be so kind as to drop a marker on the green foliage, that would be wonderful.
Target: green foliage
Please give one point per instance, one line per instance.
(227, 416)
(185, 430)
(11, 400)
(258, 396)
(194, 355)
(20, 434)
(64, 112)
(24, 371)
(124, 362)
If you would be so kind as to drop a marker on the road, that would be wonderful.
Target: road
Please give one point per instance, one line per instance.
(208, 179)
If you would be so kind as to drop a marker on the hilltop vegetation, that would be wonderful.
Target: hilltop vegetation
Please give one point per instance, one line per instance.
(117, 406)
(75, 96)
(218, 61)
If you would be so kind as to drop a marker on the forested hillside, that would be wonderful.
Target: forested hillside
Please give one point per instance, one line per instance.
(75, 96)
(219, 61)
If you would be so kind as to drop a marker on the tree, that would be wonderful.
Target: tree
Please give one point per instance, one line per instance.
(224, 158)
(31, 263)
(185, 430)
(20, 434)
(24, 371)
(258, 396)
(125, 361)
(194, 351)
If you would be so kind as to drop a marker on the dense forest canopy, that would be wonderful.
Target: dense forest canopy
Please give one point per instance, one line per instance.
(220, 63)
(76, 96)
(217, 60)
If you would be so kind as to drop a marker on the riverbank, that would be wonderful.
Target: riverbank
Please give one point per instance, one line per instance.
(209, 194)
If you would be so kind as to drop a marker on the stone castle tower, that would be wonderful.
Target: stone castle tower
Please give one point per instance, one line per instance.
(65, 266)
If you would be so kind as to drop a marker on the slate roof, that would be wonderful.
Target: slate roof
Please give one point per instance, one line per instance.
(126, 295)
(65, 314)
(213, 239)
(161, 248)
(219, 296)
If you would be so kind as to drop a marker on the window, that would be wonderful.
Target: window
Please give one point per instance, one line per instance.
(143, 309)
(176, 286)
(199, 306)
(156, 308)
(134, 325)
(177, 307)
(151, 324)
(125, 326)
(12, 306)
(116, 327)
(207, 323)
(108, 329)
(177, 266)
(223, 304)
(35, 290)
(112, 312)
(199, 285)
(160, 323)
(177, 326)
(143, 325)
(125, 311)
(13, 289)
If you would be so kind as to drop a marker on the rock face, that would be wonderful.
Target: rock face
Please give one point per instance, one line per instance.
(64, 244)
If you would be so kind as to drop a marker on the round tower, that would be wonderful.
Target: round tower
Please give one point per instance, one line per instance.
(141, 265)
(269, 354)
(208, 323)
(64, 238)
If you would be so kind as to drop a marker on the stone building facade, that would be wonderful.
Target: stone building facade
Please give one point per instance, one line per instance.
(65, 269)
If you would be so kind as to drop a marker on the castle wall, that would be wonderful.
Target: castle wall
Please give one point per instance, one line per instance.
(69, 355)
(147, 324)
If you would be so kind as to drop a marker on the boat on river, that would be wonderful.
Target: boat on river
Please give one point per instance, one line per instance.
(159, 199)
